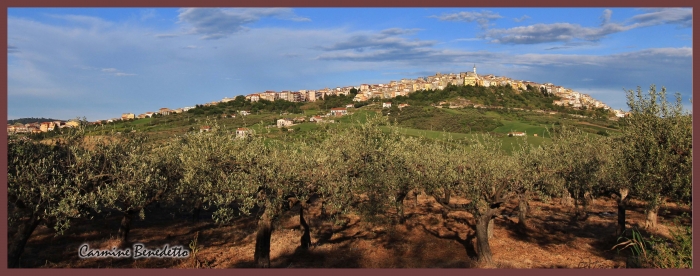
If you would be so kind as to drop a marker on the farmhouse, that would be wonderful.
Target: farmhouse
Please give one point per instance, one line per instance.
(339, 111)
(284, 123)
(243, 132)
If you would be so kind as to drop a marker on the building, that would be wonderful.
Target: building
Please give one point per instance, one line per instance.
(128, 116)
(165, 111)
(471, 78)
(516, 133)
(339, 111)
(284, 123)
(243, 132)
(386, 105)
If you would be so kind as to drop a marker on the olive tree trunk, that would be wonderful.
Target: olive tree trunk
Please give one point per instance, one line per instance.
(19, 240)
(399, 207)
(197, 210)
(523, 209)
(483, 249)
(262, 241)
(621, 209)
(306, 237)
(125, 227)
(652, 217)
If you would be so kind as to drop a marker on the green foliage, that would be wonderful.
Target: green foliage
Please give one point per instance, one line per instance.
(655, 252)
(428, 118)
(658, 153)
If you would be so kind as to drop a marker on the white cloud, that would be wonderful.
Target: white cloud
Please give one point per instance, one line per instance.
(217, 23)
(567, 32)
(679, 16)
(483, 18)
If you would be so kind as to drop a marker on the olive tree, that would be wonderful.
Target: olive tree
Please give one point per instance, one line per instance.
(140, 174)
(578, 162)
(47, 184)
(658, 149)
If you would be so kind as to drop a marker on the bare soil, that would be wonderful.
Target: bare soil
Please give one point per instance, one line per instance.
(553, 239)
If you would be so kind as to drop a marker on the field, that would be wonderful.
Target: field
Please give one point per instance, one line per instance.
(427, 240)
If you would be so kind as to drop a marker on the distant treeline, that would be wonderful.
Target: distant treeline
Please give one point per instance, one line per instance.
(31, 120)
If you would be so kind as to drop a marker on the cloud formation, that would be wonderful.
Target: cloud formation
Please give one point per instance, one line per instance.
(388, 45)
(567, 32)
(12, 49)
(556, 32)
(521, 19)
(483, 18)
(216, 23)
(385, 40)
(115, 72)
(682, 17)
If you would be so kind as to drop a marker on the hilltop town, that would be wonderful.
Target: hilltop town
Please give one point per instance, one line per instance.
(364, 92)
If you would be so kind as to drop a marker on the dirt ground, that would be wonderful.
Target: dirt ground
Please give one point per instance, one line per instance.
(552, 240)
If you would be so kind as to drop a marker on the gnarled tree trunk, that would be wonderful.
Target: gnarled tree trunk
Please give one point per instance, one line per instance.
(523, 209)
(652, 218)
(483, 249)
(621, 209)
(19, 240)
(197, 210)
(399, 206)
(306, 237)
(262, 241)
(125, 227)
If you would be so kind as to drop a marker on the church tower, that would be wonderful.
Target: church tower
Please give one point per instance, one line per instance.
(475, 69)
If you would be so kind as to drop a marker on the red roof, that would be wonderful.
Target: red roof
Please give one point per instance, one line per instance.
(338, 108)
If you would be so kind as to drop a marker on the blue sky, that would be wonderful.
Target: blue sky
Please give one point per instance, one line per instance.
(101, 62)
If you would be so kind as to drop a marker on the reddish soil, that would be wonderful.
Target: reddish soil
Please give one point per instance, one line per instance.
(553, 239)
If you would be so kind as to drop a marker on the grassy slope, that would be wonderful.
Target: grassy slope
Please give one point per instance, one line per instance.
(163, 127)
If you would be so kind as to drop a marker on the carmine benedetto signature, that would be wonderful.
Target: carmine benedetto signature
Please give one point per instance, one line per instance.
(137, 251)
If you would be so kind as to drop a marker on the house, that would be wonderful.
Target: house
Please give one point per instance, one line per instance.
(516, 133)
(243, 132)
(316, 119)
(226, 99)
(76, 123)
(339, 111)
(204, 129)
(403, 105)
(349, 105)
(269, 95)
(386, 105)
(141, 116)
(299, 119)
(46, 126)
(253, 97)
(21, 129)
(244, 112)
(619, 113)
(128, 116)
(359, 98)
(284, 123)
(165, 111)
(149, 114)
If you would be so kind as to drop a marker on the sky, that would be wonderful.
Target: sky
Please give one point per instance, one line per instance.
(98, 63)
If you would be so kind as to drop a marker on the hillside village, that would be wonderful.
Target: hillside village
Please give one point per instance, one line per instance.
(365, 92)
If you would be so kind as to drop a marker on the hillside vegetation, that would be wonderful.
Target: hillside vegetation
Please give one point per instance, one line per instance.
(372, 166)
